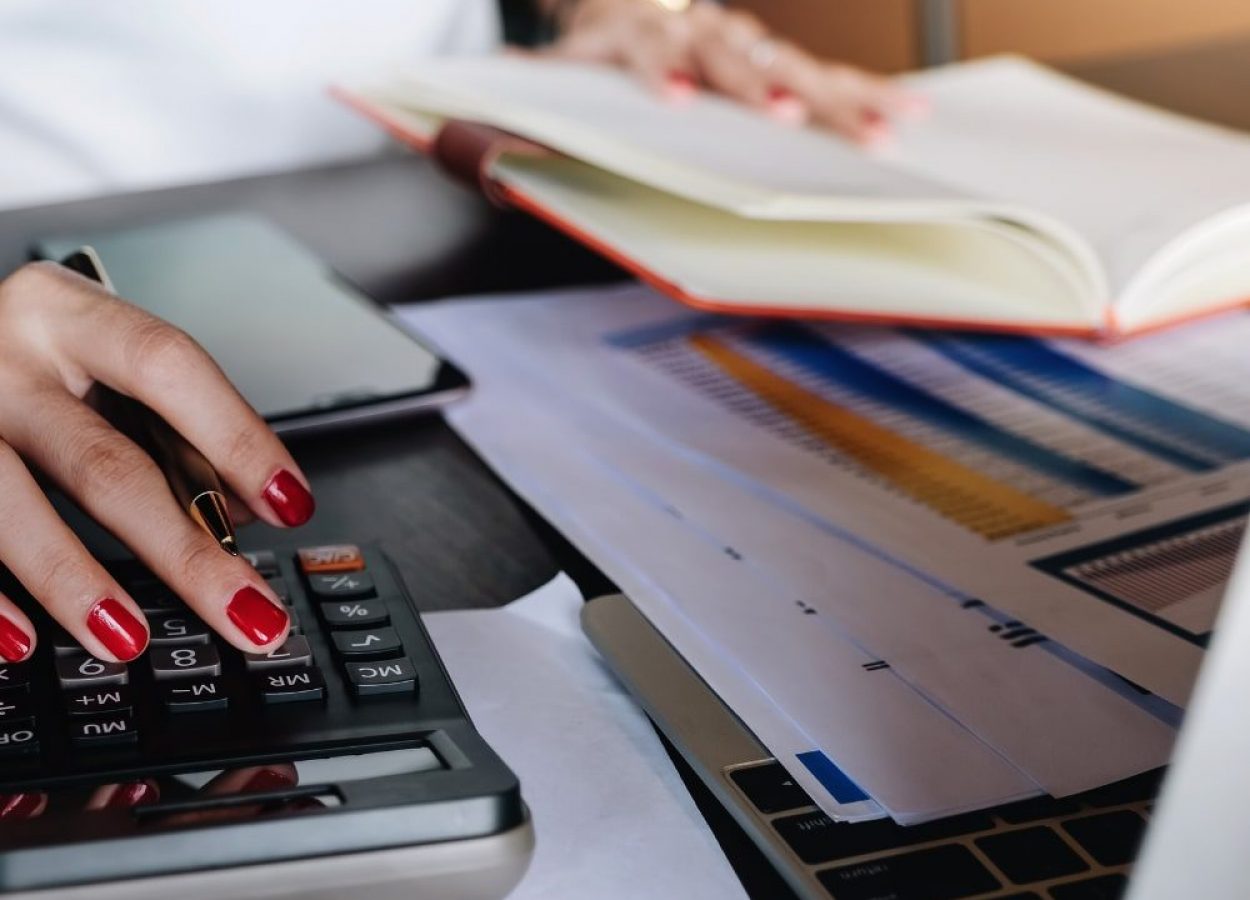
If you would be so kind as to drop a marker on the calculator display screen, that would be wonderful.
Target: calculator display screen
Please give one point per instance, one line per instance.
(189, 798)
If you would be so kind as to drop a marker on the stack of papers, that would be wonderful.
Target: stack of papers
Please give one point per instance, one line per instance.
(919, 567)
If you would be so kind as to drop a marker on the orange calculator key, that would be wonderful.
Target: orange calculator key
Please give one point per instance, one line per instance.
(331, 558)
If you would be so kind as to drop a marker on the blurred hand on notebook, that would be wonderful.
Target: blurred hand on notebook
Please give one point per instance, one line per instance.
(678, 47)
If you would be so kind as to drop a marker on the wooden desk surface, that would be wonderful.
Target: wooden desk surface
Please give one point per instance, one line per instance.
(401, 232)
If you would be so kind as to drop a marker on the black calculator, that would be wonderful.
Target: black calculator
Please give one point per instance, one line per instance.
(342, 758)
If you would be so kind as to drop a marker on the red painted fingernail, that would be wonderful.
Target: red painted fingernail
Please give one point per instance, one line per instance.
(260, 619)
(785, 106)
(117, 628)
(679, 85)
(267, 780)
(128, 796)
(289, 499)
(14, 643)
(20, 806)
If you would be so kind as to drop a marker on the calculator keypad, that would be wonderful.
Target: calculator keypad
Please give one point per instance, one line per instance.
(294, 651)
(346, 647)
(342, 585)
(355, 614)
(194, 695)
(80, 670)
(184, 662)
(13, 677)
(373, 643)
(392, 676)
(90, 701)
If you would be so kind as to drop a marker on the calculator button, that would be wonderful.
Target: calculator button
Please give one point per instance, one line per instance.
(173, 629)
(296, 626)
(294, 651)
(263, 561)
(65, 645)
(92, 700)
(18, 737)
(281, 589)
(355, 613)
(14, 708)
(81, 670)
(331, 558)
(194, 695)
(184, 662)
(13, 676)
(392, 676)
(160, 600)
(372, 644)
(109, 728)
(291, 685)
(341, 585)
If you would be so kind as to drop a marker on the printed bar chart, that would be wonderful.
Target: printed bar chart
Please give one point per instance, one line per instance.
(982, 505)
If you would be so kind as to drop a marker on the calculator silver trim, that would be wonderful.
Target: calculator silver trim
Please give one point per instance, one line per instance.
(485, 868)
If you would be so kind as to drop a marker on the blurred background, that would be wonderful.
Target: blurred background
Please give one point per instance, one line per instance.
(1169, 52)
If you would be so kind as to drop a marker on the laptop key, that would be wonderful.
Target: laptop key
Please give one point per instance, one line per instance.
(936, 873)
(816, 838)
(1036, 809)
(1131, 790)
(1105, 887)
(1031, 854)
(769, 787)
(1111, 838)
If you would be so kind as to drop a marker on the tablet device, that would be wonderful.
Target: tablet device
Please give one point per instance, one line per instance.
(305, 348)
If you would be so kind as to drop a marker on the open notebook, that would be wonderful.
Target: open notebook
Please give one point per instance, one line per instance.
(1025, 201)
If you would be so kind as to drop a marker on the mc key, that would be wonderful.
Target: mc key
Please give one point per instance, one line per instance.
(392, 676)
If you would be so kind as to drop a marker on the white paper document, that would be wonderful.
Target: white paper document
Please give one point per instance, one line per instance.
(611, 815)
(1010, 470)
(817, 638)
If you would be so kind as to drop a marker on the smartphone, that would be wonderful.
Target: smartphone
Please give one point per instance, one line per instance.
(307, 350)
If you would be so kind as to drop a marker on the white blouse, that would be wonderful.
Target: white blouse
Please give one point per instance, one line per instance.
(109, 95)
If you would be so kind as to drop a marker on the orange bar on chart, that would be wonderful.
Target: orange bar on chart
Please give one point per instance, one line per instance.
(987, 507)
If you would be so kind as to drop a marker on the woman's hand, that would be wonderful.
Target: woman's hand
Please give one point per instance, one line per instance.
(707, 46)
(60, 334)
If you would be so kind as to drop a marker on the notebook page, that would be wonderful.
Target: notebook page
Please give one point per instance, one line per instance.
(710, 150)
(1128, 177)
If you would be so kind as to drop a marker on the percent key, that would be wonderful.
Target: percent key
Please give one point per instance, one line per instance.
(354, 614)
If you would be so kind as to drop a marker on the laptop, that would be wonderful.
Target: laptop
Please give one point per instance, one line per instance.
(1159, 836)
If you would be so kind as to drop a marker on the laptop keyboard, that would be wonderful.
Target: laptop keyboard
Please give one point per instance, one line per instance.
(1077, 848)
